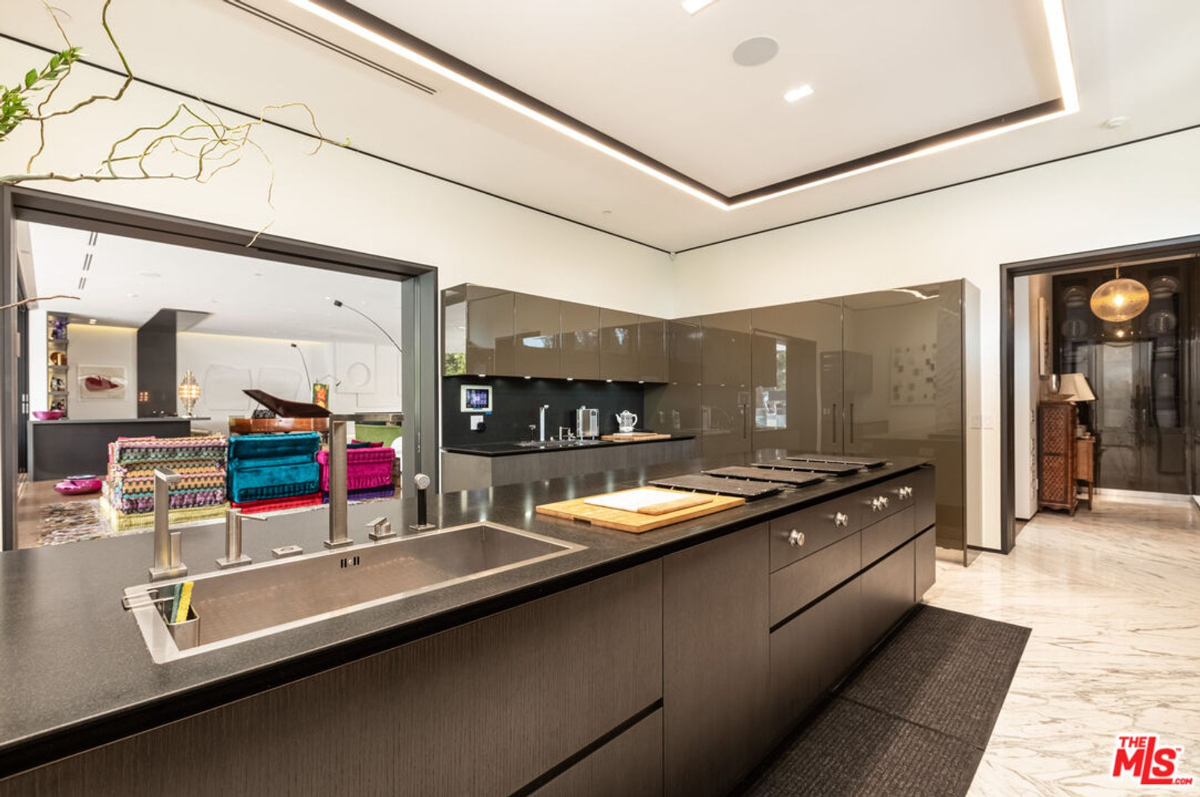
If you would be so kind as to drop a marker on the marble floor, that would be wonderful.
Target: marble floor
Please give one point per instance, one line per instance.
(1113, 598)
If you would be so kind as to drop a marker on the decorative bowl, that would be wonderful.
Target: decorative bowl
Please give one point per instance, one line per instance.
(78, 485)
(48, 415)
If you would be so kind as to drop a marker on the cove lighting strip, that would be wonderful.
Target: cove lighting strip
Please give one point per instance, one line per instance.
(1056, 23)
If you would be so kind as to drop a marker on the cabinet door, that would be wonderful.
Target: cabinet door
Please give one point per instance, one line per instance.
(811, 652)
(454, 331)
(629, 765)
(796, 376)
(716, 662)
(888, 592)
(652, 349)
(537, 329)
(618, 345)
(490, 350)
(579, 341)
(674, 407)
(725, 395)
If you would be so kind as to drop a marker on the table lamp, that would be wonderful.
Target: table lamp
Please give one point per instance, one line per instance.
(1075, 388)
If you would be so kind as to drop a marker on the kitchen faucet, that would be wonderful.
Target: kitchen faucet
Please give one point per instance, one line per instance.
(168, 545)
(542, 422)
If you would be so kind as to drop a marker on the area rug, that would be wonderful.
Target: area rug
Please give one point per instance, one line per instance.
(913, 721)
(71, 521)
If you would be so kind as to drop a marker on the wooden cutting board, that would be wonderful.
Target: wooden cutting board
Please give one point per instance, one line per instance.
(638, 522)
(628, 437)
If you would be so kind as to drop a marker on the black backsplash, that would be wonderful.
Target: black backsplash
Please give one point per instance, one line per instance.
(515, 403)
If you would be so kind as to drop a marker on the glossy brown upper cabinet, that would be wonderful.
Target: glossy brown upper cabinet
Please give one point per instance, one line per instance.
(579, 341)
(478, 331)
(538, 327)
(618, 345)
(726, 393)
(652, 349)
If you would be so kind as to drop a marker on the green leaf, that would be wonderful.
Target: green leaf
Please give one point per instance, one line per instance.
(30, 78)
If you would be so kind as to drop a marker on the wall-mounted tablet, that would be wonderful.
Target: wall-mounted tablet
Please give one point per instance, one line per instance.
(476, 398)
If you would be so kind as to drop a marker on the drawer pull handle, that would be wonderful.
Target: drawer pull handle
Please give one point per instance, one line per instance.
(876, 504)
(883, 499)
(796, 538)
(841, 520)
(906, 492)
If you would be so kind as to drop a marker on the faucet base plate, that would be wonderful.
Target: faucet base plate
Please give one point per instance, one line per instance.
(225, 564)
(338, 543)
(422, 527)
(160, 573)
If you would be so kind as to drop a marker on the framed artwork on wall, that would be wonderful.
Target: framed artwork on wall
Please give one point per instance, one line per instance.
(1043, 316)
(101, 382)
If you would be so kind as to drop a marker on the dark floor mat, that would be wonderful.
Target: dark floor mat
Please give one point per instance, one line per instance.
(943, 670)
(849, 749)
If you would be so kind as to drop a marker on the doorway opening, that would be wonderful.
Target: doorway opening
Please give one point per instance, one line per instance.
(1099, 401)
(174, 320)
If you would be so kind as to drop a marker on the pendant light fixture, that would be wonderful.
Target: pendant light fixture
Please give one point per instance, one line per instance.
(1120, 299)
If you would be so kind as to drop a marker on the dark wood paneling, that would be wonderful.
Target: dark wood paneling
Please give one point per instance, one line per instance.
(811, 652)
(925, 564)
(1056, 455)
(629, 765)
(887, 593)
(799, 584)
(716, 653)
(889, 533)
(482, 709)
(818, 525)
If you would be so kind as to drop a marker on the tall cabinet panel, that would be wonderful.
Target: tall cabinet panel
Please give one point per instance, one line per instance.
(725, 392)
(618, 345)
(579, 341)
(490, 330)
(796, 376)
(652, 349)
(537, 330)
(674, 407)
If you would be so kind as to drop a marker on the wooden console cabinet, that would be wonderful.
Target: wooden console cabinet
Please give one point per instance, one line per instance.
(1056, 455)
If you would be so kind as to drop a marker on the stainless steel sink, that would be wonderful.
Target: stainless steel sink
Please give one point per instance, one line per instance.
(233, 606)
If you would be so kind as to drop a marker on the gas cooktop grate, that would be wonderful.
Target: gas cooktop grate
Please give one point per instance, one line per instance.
(699, 483)
(789, 477)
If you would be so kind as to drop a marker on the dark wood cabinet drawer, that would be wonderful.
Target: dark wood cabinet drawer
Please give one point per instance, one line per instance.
(887, 593)
(925, 498)
(886, 498)
(802, 582)
(819, 526)
(891, 532)
(925, 567)
(810, 652)
(630, 764)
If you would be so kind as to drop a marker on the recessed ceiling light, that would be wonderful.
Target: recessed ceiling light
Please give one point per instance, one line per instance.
(1114, 122)
(696, 6)
(131, 296)
(150, 275)
(755, 51)
(798, 93)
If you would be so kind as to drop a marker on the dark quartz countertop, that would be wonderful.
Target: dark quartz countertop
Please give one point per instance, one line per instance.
(77, 674)
(510, 449)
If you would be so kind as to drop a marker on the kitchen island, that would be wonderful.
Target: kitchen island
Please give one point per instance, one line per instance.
(667, 662)
(62, 448)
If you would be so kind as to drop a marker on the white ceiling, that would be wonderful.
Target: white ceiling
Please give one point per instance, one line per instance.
(649, 74)
(129, 280)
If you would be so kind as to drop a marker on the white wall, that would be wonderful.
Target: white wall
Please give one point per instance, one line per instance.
(101, 345)
(248, 357)
(352, 201)
(1141, 192)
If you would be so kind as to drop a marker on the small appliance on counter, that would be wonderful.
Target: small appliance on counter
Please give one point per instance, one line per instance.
(587, 423)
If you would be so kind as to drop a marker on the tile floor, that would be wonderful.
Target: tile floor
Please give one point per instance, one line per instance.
(1113, 598)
